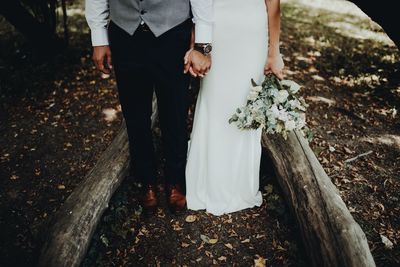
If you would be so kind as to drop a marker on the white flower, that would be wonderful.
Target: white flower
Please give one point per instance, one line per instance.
(293, 103)
(301, 123)
(290, 125)
(274, 111)
(282, 96)
(272, 92)
(293, 86)
(283, 115)
(286, 83)
(258, 104)
(252, 96)
(257, 88)
(241, 115)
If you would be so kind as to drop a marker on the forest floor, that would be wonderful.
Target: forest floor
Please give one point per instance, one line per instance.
(57, 118)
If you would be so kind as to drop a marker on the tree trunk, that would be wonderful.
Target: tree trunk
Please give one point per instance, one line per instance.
(75, 222)
(385, 13)
(44, 39)
(330, 234)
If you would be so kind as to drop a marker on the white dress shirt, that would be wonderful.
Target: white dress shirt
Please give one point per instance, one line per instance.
(203, 18)
(97, 15)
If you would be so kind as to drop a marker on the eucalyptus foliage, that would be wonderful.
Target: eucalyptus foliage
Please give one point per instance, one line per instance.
(273, 106)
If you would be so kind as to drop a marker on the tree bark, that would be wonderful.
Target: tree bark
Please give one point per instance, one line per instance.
(44, 39)
(330, 234)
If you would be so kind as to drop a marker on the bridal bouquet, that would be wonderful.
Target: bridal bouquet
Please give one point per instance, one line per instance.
(272, 106)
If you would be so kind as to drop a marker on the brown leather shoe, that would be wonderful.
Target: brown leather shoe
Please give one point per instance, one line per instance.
(176, 198)
(149, 199)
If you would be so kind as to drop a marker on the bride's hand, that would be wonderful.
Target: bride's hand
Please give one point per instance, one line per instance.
(275, 65)
(197, 64)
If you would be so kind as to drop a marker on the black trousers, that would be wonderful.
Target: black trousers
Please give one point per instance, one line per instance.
(142, 64)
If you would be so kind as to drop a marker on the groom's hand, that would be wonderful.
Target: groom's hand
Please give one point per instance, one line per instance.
(102, 58)
(197, 64)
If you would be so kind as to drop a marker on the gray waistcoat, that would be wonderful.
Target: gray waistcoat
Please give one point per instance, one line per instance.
(159, 15)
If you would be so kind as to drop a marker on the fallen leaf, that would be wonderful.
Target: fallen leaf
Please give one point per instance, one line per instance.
(222, 258)
(212, 241)
(228, 245)
(185, 245)
(348, 151)
(110, 114)
(388, 244)
(204, 238)
(279, 247)
(233, 233)
(208, 240)
(177, 227)
(104, 240)
(191, 218)
(14, 177)
(105, 76)
(381, 206)
(260, 262)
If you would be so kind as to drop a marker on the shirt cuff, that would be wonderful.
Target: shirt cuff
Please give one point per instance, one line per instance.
(203, 33)
(99, 37)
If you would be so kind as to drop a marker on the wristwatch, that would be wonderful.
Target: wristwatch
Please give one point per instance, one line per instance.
(205, 49)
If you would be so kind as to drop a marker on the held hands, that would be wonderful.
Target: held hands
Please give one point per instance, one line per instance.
(102, 58)
(197, 64)
(275, 65)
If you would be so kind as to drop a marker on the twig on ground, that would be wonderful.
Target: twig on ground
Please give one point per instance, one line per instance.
(358, 156)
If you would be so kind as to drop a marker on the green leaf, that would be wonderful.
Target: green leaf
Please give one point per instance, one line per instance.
(253, 83)
(269, 188)
(205, 238)
(104, 240)
(208, 240)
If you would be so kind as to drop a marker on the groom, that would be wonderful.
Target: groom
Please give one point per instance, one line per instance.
(145, 42)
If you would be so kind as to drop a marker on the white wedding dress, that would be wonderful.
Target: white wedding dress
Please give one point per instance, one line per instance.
(222, 173)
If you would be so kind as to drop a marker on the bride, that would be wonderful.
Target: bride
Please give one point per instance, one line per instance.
(222, 173)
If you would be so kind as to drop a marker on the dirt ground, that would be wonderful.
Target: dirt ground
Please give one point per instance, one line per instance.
(266, 235)
(57, 118)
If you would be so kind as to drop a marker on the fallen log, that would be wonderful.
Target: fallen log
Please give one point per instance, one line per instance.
(329, 232)
(75, 222)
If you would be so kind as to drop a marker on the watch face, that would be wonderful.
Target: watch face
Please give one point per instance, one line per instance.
(207, 49)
